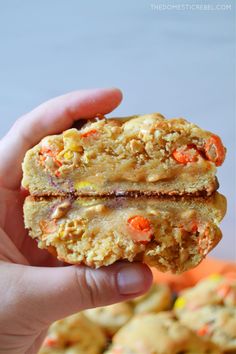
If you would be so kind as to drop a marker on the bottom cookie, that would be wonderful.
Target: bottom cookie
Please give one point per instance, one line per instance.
(169, 233)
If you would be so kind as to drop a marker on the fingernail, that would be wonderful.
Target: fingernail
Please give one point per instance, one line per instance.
(131, 279)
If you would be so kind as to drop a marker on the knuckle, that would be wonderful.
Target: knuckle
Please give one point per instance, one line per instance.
(89, 287)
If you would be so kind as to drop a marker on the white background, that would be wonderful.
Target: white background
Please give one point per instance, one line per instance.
(177, 62)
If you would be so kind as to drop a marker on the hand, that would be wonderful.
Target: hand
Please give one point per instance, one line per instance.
(35, 288)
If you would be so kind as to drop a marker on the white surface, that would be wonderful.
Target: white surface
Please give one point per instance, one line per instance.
(177, 62)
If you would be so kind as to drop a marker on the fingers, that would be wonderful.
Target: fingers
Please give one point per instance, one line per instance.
(43, 295)
(51, 117)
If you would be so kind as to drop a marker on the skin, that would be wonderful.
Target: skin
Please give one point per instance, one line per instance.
(35, 288)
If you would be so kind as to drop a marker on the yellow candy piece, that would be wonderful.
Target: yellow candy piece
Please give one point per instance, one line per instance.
(84, 185)
(70, 144)
(180, 303)
(215, 277)
(71, 134)
(68, 155)
(74, 147)
(61, 234)
(71, 140)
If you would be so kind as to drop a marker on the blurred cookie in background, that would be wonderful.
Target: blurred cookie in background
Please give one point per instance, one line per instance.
(158, 298)
(75, 334)
(214, 323)
(111, 318)
(160, 334)
(213, 290)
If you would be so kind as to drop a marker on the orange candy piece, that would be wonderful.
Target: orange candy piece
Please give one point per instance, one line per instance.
(139, 223)
(47, 152)
(186, 154)
(190, 227)
(204, 330)
(194, 226)
(57, 173)
(141, 229)
(89, 133)
(50, 342)
(215, 150)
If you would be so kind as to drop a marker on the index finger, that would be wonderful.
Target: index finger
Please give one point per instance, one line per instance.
(51, 117)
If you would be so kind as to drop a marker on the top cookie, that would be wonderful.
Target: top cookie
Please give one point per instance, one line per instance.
(146, 154)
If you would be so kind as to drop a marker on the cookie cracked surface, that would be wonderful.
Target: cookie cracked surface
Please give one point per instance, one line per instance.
(145, 154)
(171, 234)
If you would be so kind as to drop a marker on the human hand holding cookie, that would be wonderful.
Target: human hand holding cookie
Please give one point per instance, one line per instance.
(36, 288)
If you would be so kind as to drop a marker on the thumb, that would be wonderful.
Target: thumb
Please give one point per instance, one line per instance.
(47, 294)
